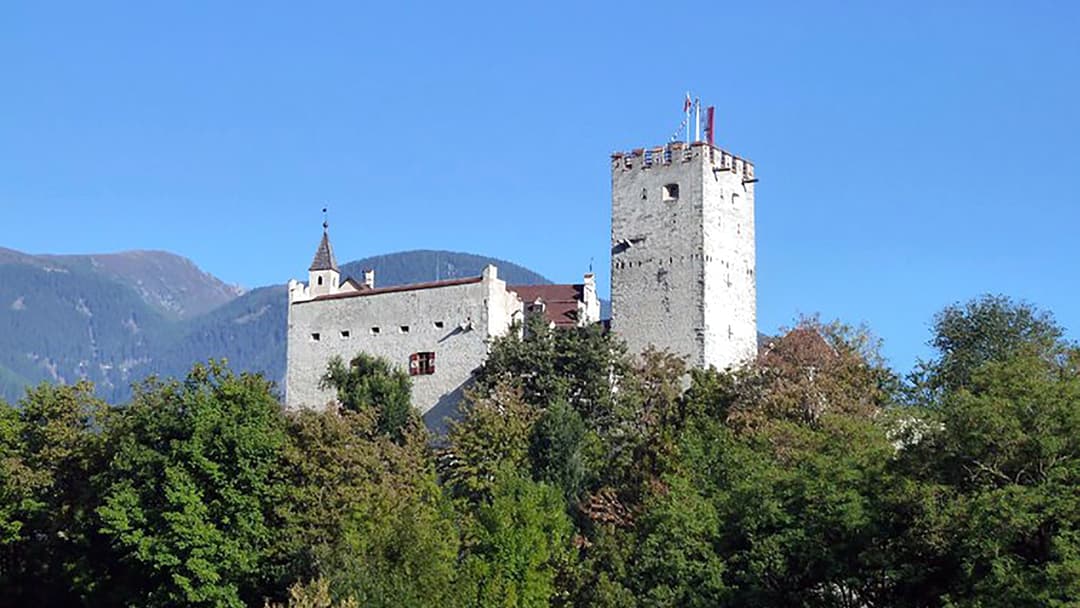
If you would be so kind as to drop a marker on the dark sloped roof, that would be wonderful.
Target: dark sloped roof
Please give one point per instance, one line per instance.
(560, 301)
(378, 290)
(356, 284)
(324, 255)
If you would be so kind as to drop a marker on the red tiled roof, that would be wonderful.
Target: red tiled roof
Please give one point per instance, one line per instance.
(395, 288)
(560, 301)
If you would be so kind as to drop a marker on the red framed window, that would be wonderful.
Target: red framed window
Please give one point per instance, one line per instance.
(421, 364)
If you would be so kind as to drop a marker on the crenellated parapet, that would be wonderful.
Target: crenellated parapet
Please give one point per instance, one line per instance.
(679, 152)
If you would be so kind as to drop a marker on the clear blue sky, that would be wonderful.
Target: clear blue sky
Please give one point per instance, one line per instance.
(911, 154)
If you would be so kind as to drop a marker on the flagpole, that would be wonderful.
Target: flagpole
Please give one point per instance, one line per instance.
(697, 119)
(686, 109)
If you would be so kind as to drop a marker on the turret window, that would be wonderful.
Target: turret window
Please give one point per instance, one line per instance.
(670, 192)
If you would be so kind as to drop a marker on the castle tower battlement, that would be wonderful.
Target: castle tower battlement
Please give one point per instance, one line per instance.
(683, 252)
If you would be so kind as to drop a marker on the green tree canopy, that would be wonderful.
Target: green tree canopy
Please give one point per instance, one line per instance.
(370, 383)
(985, 329)
(195, 472)
(52, 448)
(365, 513)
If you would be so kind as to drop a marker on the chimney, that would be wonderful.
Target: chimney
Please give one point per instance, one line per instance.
(369, 278)
(590, 300)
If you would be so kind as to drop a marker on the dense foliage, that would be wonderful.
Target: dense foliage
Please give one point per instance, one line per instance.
(576, 476)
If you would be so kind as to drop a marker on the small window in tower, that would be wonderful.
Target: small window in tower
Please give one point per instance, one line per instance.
(345, 334)
(404, 329)
(439, 324)
(318, 280)
(670, 192)
(315, 337)
(421, 364)
(374, 331)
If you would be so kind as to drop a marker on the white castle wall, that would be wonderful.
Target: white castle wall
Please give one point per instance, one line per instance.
(469, 314)
(682, 276)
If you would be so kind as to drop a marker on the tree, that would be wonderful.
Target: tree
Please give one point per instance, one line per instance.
(996, 459)
(12, 476)
(983, 330)
(640, 435)
(516, 544)
(563, 450)
(1008, 453)
(195, 472)
(315, 594)
(493, 434)
(53, 449)
(365, 513)
(373, 383)
(675, 560)
(552, 365)
(810, 370)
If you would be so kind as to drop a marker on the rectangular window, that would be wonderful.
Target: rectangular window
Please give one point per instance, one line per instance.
(421, 364)
(315, 337)
(439, 324)
(404, 329)
(374, 331)
(345, 334)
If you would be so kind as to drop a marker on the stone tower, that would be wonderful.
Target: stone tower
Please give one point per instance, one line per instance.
(682, 257)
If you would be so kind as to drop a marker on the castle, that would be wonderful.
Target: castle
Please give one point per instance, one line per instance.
(682, 280)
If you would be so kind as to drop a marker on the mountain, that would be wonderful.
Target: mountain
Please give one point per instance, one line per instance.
(425, 265)
(61, 323)
(117, 318)
(172, 284)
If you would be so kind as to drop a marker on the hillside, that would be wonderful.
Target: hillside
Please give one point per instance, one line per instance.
(61, 324)
(172, 284)
(422, 265)
(116, 318)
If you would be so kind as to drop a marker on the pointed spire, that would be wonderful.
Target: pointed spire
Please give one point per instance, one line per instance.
(324, 255)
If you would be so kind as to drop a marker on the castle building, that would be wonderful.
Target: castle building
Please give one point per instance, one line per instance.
(682, 280)
(682, 256)
(438, 331)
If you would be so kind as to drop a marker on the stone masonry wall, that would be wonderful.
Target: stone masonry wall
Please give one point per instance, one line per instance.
(673, 257)
(730, 268)
(455, 322)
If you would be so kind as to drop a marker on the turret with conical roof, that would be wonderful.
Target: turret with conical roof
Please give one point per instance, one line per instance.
(323, 275)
